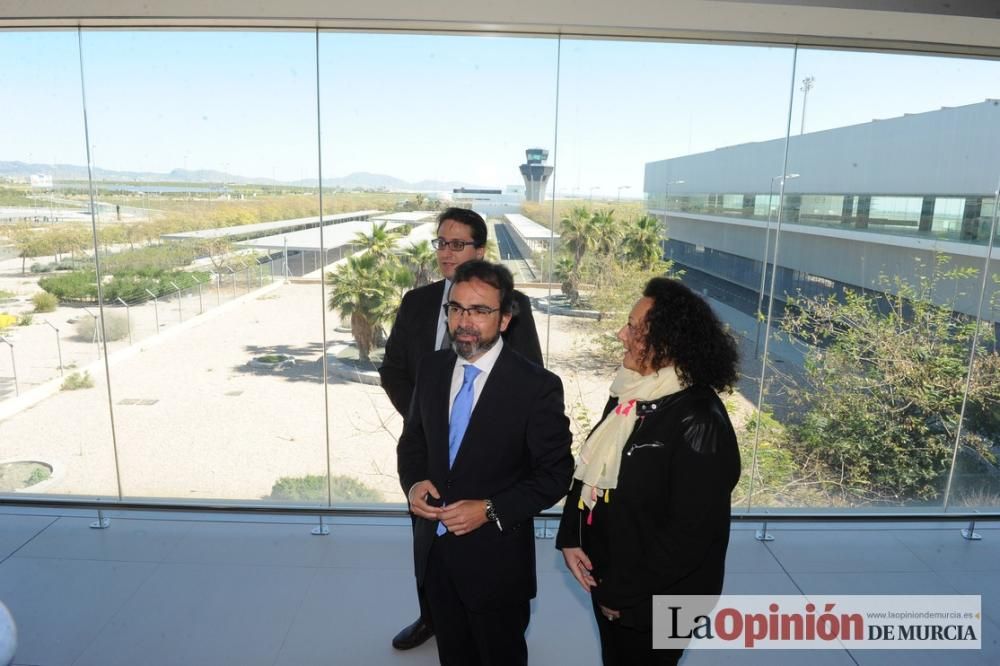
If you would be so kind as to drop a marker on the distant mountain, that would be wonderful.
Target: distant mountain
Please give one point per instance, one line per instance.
(358, 179)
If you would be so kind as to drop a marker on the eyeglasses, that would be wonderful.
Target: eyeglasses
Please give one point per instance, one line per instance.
(478, 312)
(453, 245)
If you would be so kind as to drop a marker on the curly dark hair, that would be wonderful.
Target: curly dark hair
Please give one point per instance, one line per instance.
(682, 329)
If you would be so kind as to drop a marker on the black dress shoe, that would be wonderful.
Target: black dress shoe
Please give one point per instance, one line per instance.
(413, 635)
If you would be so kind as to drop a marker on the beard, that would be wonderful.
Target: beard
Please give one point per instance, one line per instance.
(469, 349)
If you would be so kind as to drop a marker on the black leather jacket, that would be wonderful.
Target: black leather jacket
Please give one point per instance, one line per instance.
(665, 529)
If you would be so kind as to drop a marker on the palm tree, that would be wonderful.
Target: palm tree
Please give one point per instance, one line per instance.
(420, 258)
(607, 232)
(576, 232)
(643, 241)
(399, 279)
(364, 290)
(380, 242)
(565, 271)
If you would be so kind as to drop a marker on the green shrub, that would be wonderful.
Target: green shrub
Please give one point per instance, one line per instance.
(25, 319)
(38, 475)
(71, 264)
(157, 257)
(64, 265)
(128, 284)
(272, 358)
(77, 381)
(312, 488)
(6, 294)
(73, 286)
(45, 302)
(132, 284)
(115, 327)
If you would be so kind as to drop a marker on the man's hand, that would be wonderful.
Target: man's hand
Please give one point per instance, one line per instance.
(463, 516)
(612, 615)
(579, 565)
(417, 497)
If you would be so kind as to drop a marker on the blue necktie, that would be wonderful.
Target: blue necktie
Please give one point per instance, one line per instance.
(461, 411)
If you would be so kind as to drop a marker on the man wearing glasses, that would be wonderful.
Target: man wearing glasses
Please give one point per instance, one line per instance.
(421, 327)
(485, 447)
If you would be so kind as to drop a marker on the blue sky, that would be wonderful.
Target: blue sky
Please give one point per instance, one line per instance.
(442, 107)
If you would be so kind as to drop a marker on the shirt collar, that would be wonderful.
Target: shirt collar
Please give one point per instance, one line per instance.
(485, 362)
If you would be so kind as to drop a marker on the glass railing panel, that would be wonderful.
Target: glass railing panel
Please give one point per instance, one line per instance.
(874, 310)
(412, 124)
(55, 423)
(205, 171)
(974, 484)
(641, 196)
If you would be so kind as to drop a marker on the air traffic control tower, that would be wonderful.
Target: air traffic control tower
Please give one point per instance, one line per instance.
(536, 174)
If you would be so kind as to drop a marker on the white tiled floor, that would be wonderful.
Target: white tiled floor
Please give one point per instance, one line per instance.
(168, 589)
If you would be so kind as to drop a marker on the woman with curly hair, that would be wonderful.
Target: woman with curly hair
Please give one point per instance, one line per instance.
(648, 512)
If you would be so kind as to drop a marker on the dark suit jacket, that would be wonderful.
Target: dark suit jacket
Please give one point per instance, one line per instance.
(516, 451)
(414, 334)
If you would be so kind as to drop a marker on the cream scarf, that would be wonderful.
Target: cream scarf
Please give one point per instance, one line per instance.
(601, 455)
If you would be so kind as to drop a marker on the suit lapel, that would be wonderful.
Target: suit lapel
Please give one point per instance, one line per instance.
(441, 390)
(428, 332)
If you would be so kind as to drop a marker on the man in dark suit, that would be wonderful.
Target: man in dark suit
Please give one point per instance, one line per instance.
(420, 328)
(485, 446)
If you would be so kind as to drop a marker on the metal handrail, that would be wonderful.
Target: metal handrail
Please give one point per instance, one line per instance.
(397, 510)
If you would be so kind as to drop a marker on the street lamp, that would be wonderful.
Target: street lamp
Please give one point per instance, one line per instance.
(807, 85)
(97, 337)
(620, 188)
(58, 345)
(666, 194)
(156, 309)
(128, 319)
(767, 243)
(201, 305)
(180, 312)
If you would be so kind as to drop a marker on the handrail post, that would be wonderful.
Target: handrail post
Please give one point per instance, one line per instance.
(969, 533)
(321, 529)
(101, 523)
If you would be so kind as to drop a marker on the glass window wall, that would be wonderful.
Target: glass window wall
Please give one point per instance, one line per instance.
(182, 319)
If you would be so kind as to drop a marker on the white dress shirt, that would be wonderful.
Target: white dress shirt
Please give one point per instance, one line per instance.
(442, 317)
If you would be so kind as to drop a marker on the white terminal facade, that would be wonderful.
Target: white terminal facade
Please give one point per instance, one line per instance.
(860, 202)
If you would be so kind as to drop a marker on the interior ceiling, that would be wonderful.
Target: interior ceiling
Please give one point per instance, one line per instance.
(969, 27)
(969, 8)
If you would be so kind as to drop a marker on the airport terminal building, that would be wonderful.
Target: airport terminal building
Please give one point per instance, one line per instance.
(883, 198)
